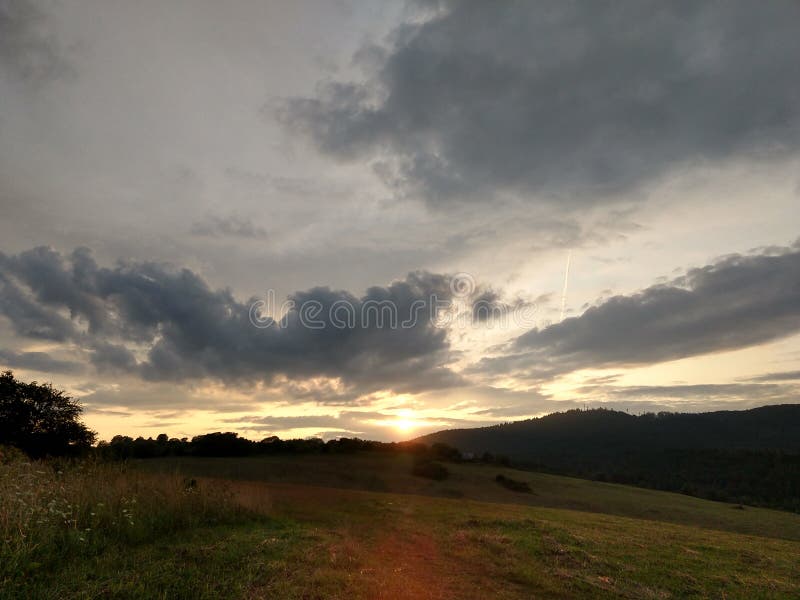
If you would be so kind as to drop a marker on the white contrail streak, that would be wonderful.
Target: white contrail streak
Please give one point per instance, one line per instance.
(566, 282)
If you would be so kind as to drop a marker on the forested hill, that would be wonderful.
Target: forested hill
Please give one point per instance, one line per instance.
(768, 427)
(745, 456)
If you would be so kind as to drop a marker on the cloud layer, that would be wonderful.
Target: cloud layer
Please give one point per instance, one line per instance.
(563, 97)
(164, 323)
(736, 302)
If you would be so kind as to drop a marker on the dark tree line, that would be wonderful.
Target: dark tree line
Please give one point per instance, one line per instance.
(229, 444)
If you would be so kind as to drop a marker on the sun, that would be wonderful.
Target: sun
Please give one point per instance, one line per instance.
(404, 424)
(405, 421)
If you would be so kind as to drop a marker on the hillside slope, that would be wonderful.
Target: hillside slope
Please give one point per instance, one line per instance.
(750, 456)
(391, 473)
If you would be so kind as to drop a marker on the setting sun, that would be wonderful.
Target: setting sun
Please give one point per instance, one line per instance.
(404, 424)
(405, 421)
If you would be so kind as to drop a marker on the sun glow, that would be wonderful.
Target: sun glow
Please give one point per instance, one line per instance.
(405, 421)
(404, 424)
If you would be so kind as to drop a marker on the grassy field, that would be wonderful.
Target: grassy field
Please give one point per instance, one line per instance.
(367, 529)
(392, 473)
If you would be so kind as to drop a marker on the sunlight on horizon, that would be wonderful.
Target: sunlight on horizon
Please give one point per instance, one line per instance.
(405, 422)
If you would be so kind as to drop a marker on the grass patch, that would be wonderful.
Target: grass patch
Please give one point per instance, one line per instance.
(50, 511)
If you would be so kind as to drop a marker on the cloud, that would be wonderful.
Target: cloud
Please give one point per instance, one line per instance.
(27, 317)
(779, 376)
(166, 324)
(164, 399)
(231, 226)
(54, 284)
(756, 394)
(112, 357)
(473, 100)
(736, 302)
(372, 424)
(639, 398)
(348, 421)
(28, 47)
(39, 361)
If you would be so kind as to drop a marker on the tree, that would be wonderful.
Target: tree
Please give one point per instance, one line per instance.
(40, 420)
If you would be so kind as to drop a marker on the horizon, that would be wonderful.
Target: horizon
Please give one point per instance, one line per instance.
(585, 409)
(333, 219)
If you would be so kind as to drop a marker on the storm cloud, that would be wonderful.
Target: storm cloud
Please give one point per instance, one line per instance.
(576, 100)
(164, 323)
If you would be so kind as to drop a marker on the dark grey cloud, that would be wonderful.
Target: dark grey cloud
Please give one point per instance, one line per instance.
(110, 357)
(181, 329)
(563, 97)
(736, 302)
(28, 46)
(491, 306)
(56, 283)
(28, 318)
(39, 361)
(488, 305)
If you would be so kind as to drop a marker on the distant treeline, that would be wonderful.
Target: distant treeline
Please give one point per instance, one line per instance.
(749, 457)
(230, 444)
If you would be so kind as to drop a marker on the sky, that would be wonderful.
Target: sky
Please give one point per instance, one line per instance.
(382, 219)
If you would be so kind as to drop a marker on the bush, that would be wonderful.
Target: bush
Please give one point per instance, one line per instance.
(430, 470)
(513, 484)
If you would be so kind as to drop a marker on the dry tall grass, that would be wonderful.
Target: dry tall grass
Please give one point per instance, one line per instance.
(55, 509)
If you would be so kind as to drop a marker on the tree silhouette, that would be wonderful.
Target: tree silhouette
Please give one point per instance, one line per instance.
(40, 420)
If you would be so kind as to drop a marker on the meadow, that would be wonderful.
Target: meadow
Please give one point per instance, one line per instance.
(361, 526)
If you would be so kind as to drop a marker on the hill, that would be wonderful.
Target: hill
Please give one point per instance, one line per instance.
(750, 456)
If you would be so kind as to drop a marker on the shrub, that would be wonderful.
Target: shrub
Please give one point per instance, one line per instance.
(430, 470)
(513, 484)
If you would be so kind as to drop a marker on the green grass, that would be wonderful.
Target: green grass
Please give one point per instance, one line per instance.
(336, 539)
(54, 512)
(392, 473)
